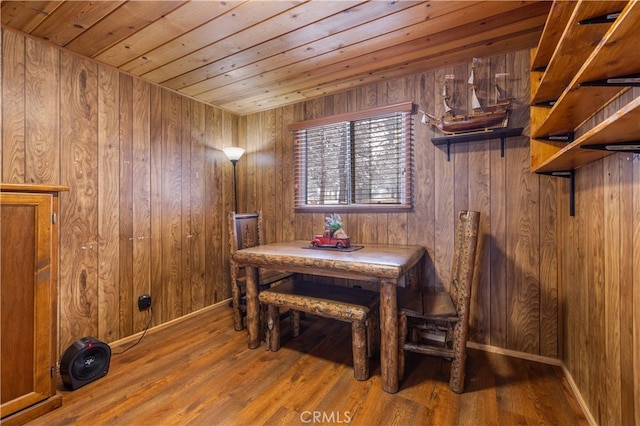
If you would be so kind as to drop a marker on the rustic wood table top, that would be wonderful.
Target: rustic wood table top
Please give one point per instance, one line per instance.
(372, 261)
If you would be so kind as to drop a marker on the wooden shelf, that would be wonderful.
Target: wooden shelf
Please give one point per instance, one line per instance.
(614, 129)
(573, 48)
(616, 55)
(560, 12)
(611, 50)
(478, 136)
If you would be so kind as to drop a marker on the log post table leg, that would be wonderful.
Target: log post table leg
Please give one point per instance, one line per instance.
(389, 335)
(253, 308)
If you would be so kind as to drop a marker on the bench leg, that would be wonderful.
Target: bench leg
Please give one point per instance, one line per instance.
(294, 320)
(402, 338)
(359, 343)
(264, 314)
(373, 334)
(273, 329)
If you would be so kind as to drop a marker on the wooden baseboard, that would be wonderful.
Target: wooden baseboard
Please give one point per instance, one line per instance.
(31, 413)
(578, 395)
(545, 360)
(162, 326)
(515, 354)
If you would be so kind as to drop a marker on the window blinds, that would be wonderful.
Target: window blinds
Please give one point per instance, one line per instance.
(364, 162)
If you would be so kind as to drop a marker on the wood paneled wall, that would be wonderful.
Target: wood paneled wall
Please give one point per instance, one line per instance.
(149, 186)
(150, 189)
(600, 258)
(516, 298)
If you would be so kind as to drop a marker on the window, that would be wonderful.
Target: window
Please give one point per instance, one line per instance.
(355, 161)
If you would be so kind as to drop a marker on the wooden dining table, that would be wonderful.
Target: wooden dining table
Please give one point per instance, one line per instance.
(386, 265)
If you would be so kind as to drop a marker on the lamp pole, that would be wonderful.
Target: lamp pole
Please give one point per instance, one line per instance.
(235, 186)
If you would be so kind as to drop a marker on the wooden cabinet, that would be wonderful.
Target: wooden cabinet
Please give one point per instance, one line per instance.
(28, 298)
(585, 50)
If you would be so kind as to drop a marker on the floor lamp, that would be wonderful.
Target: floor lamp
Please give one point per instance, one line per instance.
(234, 153)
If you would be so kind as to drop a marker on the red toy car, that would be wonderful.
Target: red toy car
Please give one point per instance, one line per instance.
(327, 240)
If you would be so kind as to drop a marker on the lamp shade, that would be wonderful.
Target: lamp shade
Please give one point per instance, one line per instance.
(233, 153)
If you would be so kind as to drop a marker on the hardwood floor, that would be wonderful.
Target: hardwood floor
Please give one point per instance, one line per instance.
(200, 372)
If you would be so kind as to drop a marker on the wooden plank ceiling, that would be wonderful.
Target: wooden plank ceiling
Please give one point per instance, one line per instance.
(249, 56)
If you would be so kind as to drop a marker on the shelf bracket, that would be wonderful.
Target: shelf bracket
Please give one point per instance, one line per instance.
(631, 80)
(546, 104)
(566, 137)
(480, 135)
(567, 174)
(502, 138)
(630, 146)
(603, 19)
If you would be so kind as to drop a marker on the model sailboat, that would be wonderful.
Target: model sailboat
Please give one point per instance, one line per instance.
(494, 116)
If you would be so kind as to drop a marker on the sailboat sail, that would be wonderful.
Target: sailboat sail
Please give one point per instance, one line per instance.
(445, 99)
(475, 103)
(447, 108)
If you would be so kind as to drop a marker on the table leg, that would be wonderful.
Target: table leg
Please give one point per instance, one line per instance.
(389, 335)
(253, 308)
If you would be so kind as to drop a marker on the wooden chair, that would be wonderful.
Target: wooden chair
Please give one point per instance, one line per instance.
(437, 322)
(245, 230)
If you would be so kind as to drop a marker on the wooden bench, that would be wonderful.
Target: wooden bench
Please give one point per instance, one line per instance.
(355, 305)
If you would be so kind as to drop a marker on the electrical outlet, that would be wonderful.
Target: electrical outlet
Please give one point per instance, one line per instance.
(144, 302)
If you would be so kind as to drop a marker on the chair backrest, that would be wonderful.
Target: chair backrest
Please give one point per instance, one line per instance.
(464, 259)
(245, 230)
